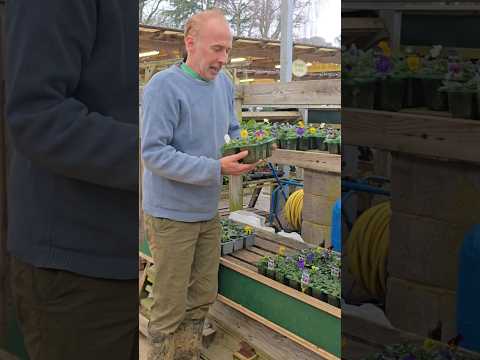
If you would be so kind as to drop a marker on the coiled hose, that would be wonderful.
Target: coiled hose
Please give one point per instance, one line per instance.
(293, 209)
(367, 248)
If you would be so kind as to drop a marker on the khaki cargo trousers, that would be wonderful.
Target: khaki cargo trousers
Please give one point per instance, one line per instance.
(186, 257)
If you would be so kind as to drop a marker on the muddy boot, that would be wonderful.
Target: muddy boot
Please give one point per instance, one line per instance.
(188, 340)
(162, 348)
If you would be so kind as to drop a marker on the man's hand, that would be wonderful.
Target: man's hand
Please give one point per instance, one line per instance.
(231, 166)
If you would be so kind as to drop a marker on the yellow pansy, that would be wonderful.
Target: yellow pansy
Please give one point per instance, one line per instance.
(385, 48)
(244, 134)
(281, 250)
(413, 62)
(429, 344)
(301, 124)
(248, 230)
(312, 130)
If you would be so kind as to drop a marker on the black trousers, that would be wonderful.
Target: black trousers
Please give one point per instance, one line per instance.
(66, 316)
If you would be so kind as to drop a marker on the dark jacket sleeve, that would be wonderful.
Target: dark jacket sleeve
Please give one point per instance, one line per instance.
(49, 42)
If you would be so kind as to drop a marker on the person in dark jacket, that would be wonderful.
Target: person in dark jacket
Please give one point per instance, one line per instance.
(72, 115)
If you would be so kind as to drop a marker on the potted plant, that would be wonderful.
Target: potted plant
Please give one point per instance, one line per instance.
(237, 242)
(262, 265)
(413, 84)
(270, 271)
(432, 73)
(281, 270)
(358, 78)
(303, 141)
(226, 245)
(462, 98)
(248, 237)
(291, 139)
(391, 73)
(334, 142)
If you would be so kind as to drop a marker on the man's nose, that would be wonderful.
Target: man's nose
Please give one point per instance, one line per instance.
(223, 58)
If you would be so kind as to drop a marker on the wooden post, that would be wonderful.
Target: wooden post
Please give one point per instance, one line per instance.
(235, 183)
(3, 193)
(235, 186)
(286, 48)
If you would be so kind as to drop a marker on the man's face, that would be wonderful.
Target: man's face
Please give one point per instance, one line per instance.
(208, 51)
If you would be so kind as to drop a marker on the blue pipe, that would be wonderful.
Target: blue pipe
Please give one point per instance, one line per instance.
(468, 292)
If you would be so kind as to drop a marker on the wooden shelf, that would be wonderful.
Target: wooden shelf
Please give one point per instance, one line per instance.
(313, 160)
(416, 134)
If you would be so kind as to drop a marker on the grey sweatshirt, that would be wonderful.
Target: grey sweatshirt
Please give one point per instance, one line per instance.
(184, 125)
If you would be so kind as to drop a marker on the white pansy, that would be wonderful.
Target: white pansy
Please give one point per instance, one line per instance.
(227, 139)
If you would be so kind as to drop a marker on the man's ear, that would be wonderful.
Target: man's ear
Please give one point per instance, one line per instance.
(189, 42)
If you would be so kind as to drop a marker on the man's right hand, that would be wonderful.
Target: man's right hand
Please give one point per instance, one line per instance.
(231, 166)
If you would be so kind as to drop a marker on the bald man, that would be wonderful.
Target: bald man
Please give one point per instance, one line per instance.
(188, 110)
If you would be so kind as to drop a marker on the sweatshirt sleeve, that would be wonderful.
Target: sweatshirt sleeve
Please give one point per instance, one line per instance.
(234, 127)
(48, 44)
(161, 114)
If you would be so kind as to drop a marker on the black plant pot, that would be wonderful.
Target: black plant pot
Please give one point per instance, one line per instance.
(390, 92)
(363, 95)
(303, 143)
(462, 104)
(413, 93)
(434, 99)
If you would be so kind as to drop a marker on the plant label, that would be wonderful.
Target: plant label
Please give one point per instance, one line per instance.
(305, 278)
(271, 264)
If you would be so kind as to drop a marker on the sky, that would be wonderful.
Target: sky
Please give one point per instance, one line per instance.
(324, 19)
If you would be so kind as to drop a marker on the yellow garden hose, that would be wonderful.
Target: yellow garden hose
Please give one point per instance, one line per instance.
(367, 248)
(293, 209)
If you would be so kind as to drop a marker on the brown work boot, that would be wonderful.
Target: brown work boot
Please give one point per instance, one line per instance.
(188, 340)
(162, 348)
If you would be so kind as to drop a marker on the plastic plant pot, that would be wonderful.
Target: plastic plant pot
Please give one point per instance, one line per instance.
(434, 99)
(333, 300)
(227, 248)
(269, 149)
(319, 294)
(292, 143)
(462, 104)
(303, 143)
(262, 269)
(253, 153)
(306, 290)
(333, 146)
(390, 93)
(262, 151)
(414, 94)
(477, 98)
(295, 284)
(229, 151)
(248, 241)
(280, 277)
(237, 243)
(321, 145)
(283, 144)
(347, 88)
(363, 94)
(270, 273)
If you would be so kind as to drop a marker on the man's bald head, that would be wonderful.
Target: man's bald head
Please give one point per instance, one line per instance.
(208, 41)
(197, 22)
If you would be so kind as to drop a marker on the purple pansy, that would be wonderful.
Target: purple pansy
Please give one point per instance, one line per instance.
(383, 64)
(301, 263)
(310, 258)
(300, 131)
